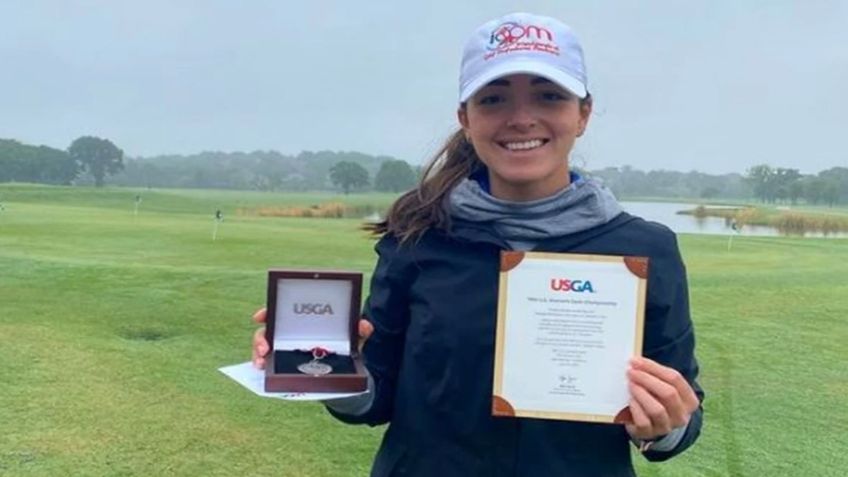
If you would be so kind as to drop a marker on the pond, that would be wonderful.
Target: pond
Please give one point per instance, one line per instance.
(666, 214)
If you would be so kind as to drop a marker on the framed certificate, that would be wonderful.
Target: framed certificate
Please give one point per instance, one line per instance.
(567, 326)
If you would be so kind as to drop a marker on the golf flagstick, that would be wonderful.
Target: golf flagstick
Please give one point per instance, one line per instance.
(737, 229)
(219, 217)
(137, 202)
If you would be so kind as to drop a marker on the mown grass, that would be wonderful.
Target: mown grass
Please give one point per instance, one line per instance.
(112, 327)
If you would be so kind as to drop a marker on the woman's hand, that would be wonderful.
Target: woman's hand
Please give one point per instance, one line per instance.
(260, 344)
(261, 347)
(660, 399)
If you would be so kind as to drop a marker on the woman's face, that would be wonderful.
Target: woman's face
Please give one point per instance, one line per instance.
(523, 128)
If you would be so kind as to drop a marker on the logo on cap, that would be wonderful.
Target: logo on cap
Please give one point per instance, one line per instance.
(512, 36)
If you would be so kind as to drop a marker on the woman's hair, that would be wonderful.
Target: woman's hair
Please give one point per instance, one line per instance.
(423, 207)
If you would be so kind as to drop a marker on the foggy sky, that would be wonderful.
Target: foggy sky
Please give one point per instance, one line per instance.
(715, 86)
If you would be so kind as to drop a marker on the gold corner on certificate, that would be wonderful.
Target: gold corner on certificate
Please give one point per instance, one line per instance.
(567, 326)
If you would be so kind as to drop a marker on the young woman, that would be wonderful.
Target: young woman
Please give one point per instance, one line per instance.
(503, 182)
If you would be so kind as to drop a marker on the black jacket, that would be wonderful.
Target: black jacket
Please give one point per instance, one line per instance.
(434, 308)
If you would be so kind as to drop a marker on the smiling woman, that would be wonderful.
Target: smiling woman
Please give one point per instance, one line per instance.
(523, 128)
(502, 182)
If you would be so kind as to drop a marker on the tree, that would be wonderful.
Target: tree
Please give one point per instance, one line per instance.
(812, 188)
(394, 176)
(98, 156)
(52, 166)
(796, 191)
(709, 192)
(836, 179)
(783, 180)
(21, 162)
(348, 175)
(830, 192)
(761, 178)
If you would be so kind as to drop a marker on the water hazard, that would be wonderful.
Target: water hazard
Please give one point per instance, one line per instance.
(666, 214)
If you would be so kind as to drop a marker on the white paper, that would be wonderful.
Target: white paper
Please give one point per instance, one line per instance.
(254, 380)
(567, 351)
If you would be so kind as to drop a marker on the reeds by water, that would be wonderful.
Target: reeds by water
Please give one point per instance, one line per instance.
(329, 210)
(787, 222)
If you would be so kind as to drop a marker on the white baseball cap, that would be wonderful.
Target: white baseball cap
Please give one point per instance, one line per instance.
(522, 43)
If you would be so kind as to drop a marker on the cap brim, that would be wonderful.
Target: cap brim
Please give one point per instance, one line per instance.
(524, 67)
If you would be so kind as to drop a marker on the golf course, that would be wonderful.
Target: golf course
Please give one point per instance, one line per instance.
(117, 308)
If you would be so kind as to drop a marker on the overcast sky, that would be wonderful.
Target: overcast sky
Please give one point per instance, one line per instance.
(715, 86)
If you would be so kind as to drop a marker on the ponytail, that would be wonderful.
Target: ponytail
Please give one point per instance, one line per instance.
(422, 208)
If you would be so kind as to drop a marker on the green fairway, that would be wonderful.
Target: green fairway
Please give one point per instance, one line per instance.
(113, 325)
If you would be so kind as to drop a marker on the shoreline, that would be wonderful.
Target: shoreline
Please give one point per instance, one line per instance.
(787, 220)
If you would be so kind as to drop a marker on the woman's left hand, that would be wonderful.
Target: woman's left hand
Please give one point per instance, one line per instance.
(660, 399)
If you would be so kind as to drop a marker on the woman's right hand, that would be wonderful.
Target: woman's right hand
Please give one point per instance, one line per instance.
(260, 344)
(261, 347)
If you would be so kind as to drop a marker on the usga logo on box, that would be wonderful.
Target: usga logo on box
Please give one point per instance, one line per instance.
(313, 309)
(566, 285)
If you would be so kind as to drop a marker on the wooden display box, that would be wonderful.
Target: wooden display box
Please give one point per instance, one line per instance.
(310, 309)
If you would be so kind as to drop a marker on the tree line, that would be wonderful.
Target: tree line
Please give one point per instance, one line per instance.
(627, 182)
(268, 171)
(87, 154)
(90, 160)
(772, 185)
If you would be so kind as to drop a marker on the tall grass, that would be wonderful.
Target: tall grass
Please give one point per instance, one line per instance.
(329, 210)
(786, 221)
(799, 223)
